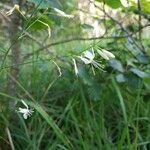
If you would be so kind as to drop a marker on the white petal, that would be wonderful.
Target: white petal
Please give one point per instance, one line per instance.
(23, 110)
(90, 55)
(24, 104)
(103, 55)
(31, 111)
(85, 60)
(109, 54)
(25, 116)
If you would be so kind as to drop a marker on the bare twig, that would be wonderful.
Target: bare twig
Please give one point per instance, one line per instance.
(131, 41)
(74, 39)
(140, 31)
(42, 47)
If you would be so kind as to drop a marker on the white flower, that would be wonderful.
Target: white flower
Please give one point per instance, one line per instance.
(88, 58)
(25, 111)
(106, 54)
(75, 67)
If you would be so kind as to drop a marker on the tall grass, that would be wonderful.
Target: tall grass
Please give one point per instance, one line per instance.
(73, 113)
(67, 118)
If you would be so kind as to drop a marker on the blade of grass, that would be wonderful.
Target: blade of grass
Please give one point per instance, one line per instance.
(122, 104)
(123, 107)
(10, 138)
(51, 122)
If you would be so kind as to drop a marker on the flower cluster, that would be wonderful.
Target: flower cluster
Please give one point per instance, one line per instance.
(88, 58)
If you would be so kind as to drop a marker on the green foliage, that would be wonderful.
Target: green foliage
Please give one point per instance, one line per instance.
(35, 23)
(140, 73)
(101, 108)
(117, 65)
(145, 6)
(112, 3)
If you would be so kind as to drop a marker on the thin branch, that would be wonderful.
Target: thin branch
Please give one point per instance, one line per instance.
(121, 26)
(42, 47)
(74, 39)
(140, 24)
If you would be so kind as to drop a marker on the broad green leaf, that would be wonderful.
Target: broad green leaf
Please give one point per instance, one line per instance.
(133, 82)
(145, 4)
(116, 64)
(143, 58)
(120, 78)
(140, 73)
(112, 3)
(35, 24)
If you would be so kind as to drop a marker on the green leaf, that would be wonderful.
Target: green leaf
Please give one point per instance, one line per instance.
(116, 64)
(112, 3)
(147, 83)
(133, 82)
(140, 73)
(143, 58)
(145, 6)
(120, 78)
(35, 24)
